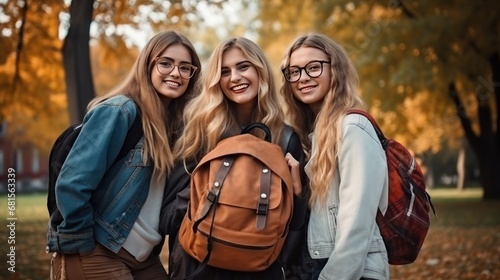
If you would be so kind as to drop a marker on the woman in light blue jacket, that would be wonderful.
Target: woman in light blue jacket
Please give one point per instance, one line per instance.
(110, 211)
(347, 165)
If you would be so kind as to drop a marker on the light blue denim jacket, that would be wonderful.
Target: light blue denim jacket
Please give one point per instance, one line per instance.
(100, 201)
(344, 230)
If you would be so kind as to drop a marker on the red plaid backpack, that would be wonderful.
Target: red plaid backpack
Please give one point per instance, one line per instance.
(407, 220)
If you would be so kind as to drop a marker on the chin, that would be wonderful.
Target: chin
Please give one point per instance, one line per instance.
(172, 95)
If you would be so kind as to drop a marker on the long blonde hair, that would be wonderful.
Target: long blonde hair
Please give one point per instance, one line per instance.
(161, 125)
(211, 116)
(327, 124)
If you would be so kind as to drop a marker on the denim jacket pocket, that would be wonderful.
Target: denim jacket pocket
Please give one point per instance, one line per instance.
(123, 185)
(321, 232)
(134, 158)
(333, 211)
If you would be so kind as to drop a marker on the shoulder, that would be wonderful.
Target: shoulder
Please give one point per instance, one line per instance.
(358, 128)
(121, 101)
(117, 105)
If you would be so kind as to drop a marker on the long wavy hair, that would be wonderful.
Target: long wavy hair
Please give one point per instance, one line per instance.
(162, 125)
(211, 116)
(327, 124)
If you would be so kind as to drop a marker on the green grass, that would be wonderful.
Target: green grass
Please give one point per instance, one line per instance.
(30, 234)
(463, 208)
(459, 212)
(443, 194)
(29, 207)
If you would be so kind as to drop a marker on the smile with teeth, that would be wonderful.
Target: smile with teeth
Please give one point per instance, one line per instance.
(172, 84)
(239, 87)
(307, 88)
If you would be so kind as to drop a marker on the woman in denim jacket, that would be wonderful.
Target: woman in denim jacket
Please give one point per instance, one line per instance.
(347, 165)
(110, 225)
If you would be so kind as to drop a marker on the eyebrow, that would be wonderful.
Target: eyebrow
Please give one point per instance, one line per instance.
(316, 59)
(238, 64)
(173, 60)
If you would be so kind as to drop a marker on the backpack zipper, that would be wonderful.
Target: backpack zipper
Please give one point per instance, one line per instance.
(247, 247)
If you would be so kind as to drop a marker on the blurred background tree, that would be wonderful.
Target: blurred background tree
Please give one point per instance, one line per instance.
(46, 69)
(427, 70)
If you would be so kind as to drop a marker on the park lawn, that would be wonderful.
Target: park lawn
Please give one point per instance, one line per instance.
(462, 243)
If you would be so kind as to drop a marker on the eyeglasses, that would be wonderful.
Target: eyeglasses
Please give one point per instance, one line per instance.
(313, 69)
(165, 66)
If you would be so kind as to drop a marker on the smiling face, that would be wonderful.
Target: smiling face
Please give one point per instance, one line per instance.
(239, 78)
(311, 91)
(172, 85)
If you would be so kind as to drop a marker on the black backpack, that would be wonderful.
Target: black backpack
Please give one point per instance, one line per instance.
(60, 151)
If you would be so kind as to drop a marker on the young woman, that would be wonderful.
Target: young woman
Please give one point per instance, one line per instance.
(110, 212)
(347, 165)
(238, 89)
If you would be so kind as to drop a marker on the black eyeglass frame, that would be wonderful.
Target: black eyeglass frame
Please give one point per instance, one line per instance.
(321, 62)
(193, 68)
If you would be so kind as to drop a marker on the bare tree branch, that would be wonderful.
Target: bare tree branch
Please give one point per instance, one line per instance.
(20, 43)
(405, 9)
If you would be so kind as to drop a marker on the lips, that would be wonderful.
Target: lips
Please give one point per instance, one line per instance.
(172, 83)
(307, 89)
(240, 88)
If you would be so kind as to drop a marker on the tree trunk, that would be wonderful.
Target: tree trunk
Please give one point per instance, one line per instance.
(489, 169)
(427, 166)
(461, 166)
(76, 57)
(491, 183)
(485, 145)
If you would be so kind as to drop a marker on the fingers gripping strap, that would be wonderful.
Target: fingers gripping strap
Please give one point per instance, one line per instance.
(263, 205)
(226, 164)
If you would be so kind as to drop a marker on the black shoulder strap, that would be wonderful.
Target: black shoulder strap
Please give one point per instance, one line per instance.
(134, 134)
(285, 137)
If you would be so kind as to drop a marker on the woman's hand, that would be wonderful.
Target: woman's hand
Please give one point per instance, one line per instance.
(294, 170)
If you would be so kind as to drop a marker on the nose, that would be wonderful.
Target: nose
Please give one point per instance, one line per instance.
(303, 75)
(175, 72)
(235, 76)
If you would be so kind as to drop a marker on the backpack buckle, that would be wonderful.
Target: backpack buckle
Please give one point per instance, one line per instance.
(262, 209)
(211, 197)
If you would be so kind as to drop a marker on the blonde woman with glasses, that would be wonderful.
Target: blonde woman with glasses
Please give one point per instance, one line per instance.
(347, 165)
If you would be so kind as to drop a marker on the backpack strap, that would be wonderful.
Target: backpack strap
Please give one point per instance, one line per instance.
(285, 137)
(212, 199)
(134, 134)
(263, 205)
(262, 126)
(213, 194)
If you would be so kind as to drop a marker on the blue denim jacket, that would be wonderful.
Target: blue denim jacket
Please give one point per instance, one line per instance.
(98, 200)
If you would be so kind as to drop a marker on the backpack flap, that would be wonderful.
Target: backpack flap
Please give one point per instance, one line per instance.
(256, 177)
(253, 146)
